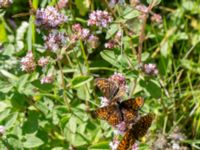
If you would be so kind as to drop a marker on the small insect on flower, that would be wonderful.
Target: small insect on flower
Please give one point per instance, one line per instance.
(28, 63)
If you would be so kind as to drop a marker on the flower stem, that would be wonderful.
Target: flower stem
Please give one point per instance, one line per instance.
(64, 86)
(142, 33)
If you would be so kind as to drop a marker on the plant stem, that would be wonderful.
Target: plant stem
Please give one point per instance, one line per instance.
(142, 33)
(64, 86)
(84, 55)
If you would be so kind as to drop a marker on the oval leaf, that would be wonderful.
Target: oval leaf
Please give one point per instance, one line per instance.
(80, 80)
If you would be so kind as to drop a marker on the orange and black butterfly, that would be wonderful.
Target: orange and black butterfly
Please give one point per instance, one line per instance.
(138, 130)
(114, 114)
(110, 89)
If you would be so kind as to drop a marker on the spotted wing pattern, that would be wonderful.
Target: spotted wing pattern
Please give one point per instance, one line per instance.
(124, 144)
(110, 113)
(130, 109)
(133, 103)
(116, 113)
(108, 88)
(138, 130)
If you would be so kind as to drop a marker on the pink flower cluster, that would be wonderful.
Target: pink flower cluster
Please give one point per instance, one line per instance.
(43, 61)
(80, 32)
(47, 79)
(142, 8)
(99, 18)
(55, 40)
(150, 69)
(156, 18)
(84, 34)
(28, 63)
(49, 17)
(62, 4)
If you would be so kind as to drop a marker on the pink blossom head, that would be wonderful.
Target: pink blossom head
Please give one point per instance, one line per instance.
(47, 79)
(119, 78)
(114, 144)
(150, 69)
(28, 63)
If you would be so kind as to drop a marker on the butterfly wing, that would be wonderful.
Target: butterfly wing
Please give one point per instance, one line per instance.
(126, 141)
(140, 128)
(107, 87)
(129, 115)
(133, 103)
(130, 108)
(110, 113)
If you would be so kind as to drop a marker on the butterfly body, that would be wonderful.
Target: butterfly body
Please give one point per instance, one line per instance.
(114, 114)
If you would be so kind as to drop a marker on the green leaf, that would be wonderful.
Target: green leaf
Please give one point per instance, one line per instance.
(156, 3)
(8, 74)
(190, 65)
(32, 141)
(189, 5)
(145, 56)
(14, 143)
(100, 146)
(10, 120)
(83, 6)
(18, 101)
(3, 35)
(21, 82)
(44, 87)
(4, 112)
(131, 13)
(112, 30)
(165, 49)
(151, 87)
(5, 87)
(110, 57)
(72, 125)
(80, 80)
(31, 124)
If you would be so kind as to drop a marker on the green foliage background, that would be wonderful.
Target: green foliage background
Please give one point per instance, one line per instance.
(53, 116)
